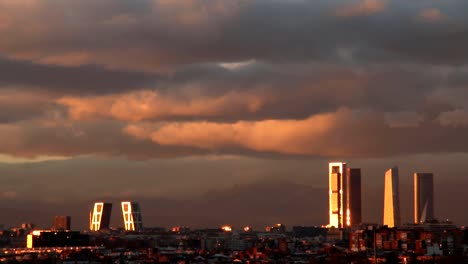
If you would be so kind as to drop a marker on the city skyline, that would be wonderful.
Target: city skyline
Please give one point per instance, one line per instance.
(237, 102)
(277, 188)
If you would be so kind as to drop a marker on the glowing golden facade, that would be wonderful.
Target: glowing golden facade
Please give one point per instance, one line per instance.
(344, 195)
(337, 196)
(132, 216)
(391, 214)
(99, 217)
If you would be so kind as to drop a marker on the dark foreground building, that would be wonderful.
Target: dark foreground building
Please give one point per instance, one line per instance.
(57, 239)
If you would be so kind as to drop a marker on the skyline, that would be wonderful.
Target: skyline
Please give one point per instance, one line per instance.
(176, 103)
(356, 196)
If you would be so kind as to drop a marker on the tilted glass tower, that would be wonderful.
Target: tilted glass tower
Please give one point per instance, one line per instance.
(423, 197)
(99, 217)
(391, 214)
(132, 216)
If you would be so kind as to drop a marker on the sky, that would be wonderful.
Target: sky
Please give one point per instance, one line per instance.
(213, 112)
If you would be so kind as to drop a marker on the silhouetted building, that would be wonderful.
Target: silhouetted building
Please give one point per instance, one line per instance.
(391, 214)
(56, 239)
(99, 217)
(309, 231)
(353, 197)
(278, 228)
(423, 197)
(27, 225)
(337, 196)
(61, 222)
(132, 216)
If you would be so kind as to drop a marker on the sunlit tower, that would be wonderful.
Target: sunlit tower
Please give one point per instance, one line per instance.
(423, 197)
(337, 196)
(99, 217)
(132, 216)
(391, 214)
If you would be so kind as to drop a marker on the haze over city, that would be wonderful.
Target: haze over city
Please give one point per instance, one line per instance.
(228, 111)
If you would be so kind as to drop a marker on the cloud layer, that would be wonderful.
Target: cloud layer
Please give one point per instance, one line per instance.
(159, 78)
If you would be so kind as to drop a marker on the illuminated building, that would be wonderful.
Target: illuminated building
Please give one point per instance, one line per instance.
(132, 216)
(227, 228)
(180, 229)
(61, 222)
(278, 228)
(344, 195)
(353, 197)
(423, 197)
(99, 217)
(27, 225)
(391, 214)
(337, 196)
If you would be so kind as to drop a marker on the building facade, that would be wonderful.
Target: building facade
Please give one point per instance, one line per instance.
(99, 217)
(344, 192)
(132, 216)
(423, 197)
(337, 196)
(391, 214)
(61, 222)
(353, 199)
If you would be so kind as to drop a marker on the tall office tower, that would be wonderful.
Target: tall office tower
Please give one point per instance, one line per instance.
(99, 217)
(423, 197)
(61, 222)
(337, 196)
(132, 216)
(353, 197)
(391, 214)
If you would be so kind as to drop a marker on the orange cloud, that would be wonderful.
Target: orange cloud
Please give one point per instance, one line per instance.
(362, 8)
(299, 137)
(147, 104)
(431, 15)
(455, 118)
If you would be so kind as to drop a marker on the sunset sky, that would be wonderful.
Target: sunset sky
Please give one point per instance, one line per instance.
(227, 111)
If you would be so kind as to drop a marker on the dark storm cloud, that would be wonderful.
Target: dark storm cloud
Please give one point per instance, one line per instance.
(160, 34)
(261, 91)
(83, 80)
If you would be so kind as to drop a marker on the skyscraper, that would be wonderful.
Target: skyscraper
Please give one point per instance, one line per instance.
(99, 217)
(353, 197)
(391, 214)
(337, 196)
(61, 222)
(132, 216)
(423, 197)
